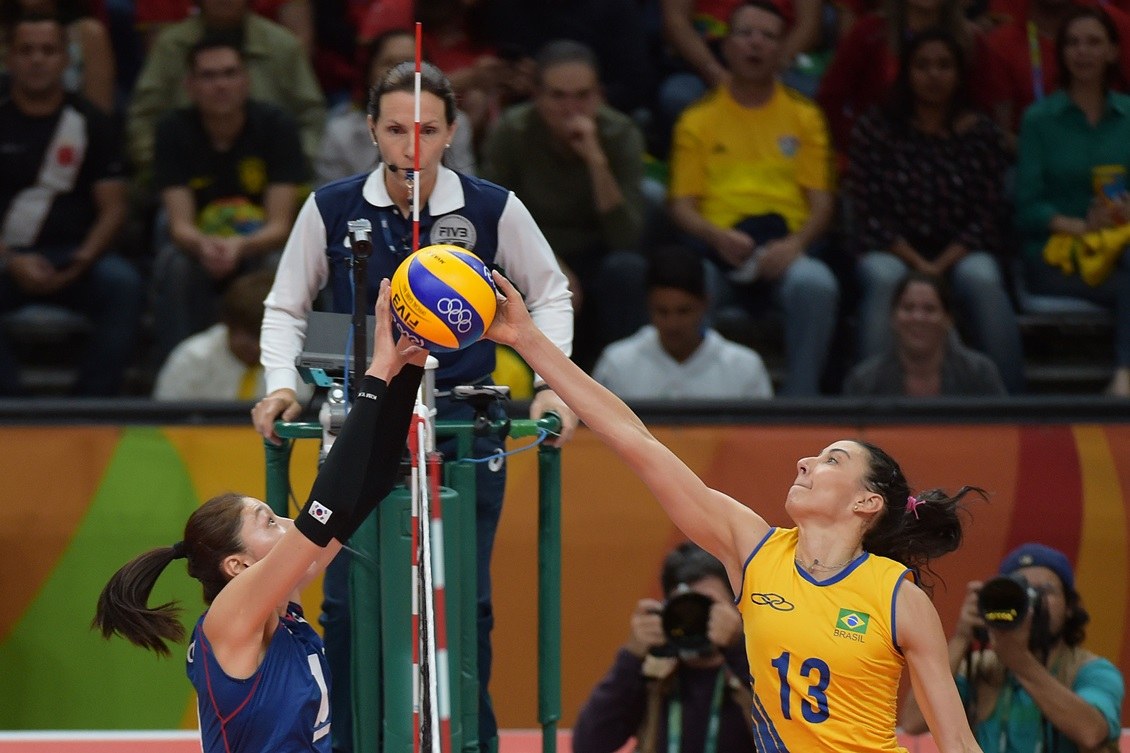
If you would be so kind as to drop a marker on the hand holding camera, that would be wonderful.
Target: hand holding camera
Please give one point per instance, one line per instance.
(689, 625)
(970, 625)
(646, 627)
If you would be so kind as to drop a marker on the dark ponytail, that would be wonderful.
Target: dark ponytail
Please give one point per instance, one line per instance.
(912, 529)
(210, 535)
(123, 606)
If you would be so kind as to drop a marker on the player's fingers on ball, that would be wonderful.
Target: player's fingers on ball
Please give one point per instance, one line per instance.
(502, 283)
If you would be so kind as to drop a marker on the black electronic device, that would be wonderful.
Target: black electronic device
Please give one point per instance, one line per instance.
(328, 338)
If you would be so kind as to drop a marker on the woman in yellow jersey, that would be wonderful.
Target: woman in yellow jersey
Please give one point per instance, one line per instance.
(830, 608)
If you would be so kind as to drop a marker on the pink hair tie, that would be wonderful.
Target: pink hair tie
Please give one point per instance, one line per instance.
(912, 504)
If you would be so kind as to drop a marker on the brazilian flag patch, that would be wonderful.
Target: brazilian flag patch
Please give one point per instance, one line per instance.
(853, 621)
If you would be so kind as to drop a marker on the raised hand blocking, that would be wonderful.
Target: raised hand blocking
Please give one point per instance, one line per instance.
(511, 318)
(388, 356)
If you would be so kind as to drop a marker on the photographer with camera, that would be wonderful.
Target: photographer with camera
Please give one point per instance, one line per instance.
(679, 683)
(1026, 681)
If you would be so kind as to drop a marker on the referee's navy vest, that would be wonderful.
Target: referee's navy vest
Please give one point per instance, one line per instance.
(473, 226)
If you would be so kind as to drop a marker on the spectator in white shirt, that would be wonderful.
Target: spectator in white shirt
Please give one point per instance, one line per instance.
(222, 362)
(677, 356)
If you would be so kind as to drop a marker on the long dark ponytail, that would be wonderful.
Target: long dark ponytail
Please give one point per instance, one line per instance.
(912, 529)
(211, 533)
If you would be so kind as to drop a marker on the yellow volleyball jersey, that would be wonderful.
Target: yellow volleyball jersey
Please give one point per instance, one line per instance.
(823, 658)
(741, 161)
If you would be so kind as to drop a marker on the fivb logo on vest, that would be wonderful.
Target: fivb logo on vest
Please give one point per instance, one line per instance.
(454, 229)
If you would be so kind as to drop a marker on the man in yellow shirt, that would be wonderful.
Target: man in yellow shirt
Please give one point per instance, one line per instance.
(751, 182)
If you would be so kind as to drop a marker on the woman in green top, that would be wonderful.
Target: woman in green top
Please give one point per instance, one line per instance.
(1067, 140)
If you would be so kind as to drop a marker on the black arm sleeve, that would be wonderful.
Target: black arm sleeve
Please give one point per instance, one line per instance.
(361, 466)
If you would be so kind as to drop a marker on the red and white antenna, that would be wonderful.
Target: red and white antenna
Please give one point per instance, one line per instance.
(416, 144)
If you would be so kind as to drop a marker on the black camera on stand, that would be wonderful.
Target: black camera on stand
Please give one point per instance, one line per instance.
(1005, 601)
(685, 617)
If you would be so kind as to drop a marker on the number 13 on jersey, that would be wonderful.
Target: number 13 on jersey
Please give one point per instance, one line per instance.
(815, 672)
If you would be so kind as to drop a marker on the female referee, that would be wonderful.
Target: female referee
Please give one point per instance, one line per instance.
(454, 208)
(829, 615)
(258, 667)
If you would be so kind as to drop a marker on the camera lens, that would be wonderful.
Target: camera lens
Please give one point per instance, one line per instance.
(1004, 601)
(685, 618)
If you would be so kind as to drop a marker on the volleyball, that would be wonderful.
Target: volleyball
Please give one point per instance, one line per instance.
(443, 297)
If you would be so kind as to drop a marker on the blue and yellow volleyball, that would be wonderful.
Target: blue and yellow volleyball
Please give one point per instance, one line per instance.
(443, 297)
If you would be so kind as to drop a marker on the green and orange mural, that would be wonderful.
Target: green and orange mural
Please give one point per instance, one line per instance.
(79, 501)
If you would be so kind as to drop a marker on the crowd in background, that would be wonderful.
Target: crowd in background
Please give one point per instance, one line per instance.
(870, 179)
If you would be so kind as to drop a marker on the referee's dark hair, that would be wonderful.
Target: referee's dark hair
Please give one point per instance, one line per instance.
(402, 78)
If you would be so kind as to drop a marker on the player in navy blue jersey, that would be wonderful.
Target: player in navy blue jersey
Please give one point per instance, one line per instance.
(258, 667)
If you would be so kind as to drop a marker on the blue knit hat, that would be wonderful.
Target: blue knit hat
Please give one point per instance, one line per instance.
(1040, 555)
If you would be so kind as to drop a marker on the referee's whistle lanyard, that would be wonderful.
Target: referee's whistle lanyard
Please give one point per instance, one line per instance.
(1036, 57)
(399, 251)
(675, 717)
(1006, 711)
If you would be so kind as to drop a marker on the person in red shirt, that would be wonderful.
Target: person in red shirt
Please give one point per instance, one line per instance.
(459, 42)
(1021, 62)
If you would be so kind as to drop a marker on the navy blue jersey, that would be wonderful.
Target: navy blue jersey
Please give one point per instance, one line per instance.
(263, 712)
(473, 226)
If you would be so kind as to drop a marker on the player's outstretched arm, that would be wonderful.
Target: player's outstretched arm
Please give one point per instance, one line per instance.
(715, 521)
(358, 472)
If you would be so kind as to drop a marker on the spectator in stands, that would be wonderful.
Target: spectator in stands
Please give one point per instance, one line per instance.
(278, 72)
(577, 164)
(1032, 686)
(62, 202)
(677, 356)
(866, 59)
(229, 170)
(295, 15)
(326, 29)
(338, 55)
(613, 29)
(751, 184)
(460, 41)
(695, 29)
(926, 190)
(926, 357)
(222, 362)
(1067, 140)
(696, 698)
(347, 146)
(1020, 63)
(90, 58)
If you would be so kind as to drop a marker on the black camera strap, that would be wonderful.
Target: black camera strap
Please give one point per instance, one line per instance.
(675, 717)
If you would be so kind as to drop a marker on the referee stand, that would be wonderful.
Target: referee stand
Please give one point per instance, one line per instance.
(381, 588)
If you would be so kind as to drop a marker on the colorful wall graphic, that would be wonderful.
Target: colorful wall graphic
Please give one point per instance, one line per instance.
(79, 501)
